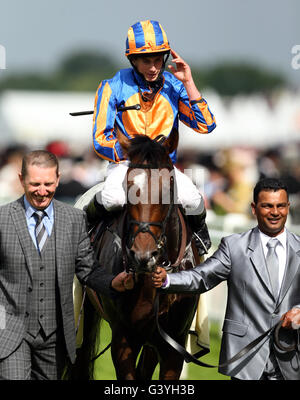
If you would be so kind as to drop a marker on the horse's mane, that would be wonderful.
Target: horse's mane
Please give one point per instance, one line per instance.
(143, 149)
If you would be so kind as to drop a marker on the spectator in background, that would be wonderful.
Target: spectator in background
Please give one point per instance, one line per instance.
(11, 160)
(78, 172)
(284, 161)
(69, 187)
(232, 181)
(269, 164)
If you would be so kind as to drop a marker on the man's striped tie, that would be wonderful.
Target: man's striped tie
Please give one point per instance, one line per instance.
(40, 230)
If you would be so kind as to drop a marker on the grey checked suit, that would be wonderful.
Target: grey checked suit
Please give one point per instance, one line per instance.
(251, 308)
(73, 254)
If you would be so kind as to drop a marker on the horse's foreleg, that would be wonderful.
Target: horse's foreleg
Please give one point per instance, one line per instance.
(147, 363)
(171, 369)
(124, 356)
(171, 363)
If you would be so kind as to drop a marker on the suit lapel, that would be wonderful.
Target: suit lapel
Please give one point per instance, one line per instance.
(19, 220)
(258, 259)
(292, 264)
(62, 232)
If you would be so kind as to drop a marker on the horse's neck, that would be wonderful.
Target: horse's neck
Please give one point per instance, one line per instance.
(173, 233)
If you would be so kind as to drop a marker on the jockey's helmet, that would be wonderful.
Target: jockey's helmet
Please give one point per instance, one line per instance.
(146, 37)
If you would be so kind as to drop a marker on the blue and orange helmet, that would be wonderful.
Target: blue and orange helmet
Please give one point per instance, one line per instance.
(146, 37)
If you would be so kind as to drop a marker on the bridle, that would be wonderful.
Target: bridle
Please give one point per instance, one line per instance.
(145, 226)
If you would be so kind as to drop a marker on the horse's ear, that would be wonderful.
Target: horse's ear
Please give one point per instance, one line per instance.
(123, 140)
(171, 142)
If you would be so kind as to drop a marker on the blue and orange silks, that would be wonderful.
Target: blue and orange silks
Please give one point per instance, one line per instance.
(170, 103)
(146, 37)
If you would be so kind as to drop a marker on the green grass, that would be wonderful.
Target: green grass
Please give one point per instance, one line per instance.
(104, 369)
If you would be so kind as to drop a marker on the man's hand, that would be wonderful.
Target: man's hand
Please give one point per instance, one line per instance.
(159, 277)
(291, 319)
(123, 281)
(182, 71)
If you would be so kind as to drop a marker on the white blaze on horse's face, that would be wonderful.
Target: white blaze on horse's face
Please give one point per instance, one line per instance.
(149, 187)
(140, 180)
(138, 191)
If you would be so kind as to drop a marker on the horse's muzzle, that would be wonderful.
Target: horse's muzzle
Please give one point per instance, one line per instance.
(142, 262)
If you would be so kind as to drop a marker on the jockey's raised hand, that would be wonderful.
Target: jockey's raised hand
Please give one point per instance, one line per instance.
(182, 72)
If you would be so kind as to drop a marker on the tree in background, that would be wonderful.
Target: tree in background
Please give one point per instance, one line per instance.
(229, 79)
(83, 70)
(80, 71)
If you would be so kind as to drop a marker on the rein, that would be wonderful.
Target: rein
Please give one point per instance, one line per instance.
(190, 358)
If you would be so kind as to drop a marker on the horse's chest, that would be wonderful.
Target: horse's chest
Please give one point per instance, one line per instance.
(142, 311)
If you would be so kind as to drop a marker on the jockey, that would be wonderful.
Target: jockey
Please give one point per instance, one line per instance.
(162, 98)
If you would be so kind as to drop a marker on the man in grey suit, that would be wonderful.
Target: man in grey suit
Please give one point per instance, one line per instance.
(38, 259)
(263, 281)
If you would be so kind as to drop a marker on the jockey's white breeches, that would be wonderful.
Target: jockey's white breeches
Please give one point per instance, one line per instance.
(114, 196)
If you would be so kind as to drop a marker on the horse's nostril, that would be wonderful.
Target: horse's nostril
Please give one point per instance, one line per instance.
(136, 256)
(131, 252)
(155, 254)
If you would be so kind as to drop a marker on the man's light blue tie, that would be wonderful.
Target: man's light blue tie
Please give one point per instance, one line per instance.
(273, 265)
(40, 230)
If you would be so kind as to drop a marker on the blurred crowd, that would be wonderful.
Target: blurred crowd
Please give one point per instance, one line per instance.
(227, 175)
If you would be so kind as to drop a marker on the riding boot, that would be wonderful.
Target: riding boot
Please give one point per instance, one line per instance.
(201, 235)
(95, 211)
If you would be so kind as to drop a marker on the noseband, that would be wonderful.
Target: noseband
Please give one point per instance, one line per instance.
(145, 226)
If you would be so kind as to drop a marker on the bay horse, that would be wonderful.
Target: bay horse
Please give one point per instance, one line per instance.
(147, 233)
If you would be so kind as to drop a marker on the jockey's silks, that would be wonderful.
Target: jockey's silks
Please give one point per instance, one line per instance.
(156, 117)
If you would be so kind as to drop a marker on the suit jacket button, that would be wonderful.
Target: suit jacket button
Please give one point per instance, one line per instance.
(26, 314)
(29, 289)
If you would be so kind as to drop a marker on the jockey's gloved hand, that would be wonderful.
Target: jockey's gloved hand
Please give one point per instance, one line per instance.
(201, 235)
(94, 210)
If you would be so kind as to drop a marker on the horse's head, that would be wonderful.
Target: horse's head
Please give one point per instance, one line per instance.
(150, 197)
